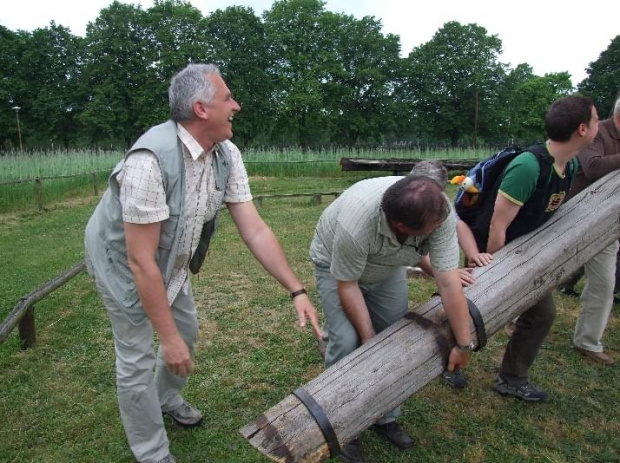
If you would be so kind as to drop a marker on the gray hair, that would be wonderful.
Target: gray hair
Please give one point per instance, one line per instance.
(189, 86)
(431, 169)
(617, 107)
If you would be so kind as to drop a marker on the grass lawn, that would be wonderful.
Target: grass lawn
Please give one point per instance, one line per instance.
(58, 400)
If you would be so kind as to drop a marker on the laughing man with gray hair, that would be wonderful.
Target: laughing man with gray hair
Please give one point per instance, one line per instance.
(151, 228)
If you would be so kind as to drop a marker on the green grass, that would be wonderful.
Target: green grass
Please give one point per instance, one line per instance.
(58, 400)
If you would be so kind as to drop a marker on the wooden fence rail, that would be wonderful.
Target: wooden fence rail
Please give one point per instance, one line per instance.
(316, 197)
(23, 313)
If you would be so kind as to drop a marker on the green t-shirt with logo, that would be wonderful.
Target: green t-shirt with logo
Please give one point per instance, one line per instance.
(521, 177)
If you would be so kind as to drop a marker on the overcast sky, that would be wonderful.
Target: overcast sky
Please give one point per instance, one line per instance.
(550, 35)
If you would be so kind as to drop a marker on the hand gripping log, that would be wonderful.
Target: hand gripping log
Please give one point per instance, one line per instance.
(353, 393)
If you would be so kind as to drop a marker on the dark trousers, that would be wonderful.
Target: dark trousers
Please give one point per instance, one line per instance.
(532, 327)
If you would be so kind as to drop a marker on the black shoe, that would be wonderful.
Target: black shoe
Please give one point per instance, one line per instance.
(394, 433)
(526, 391)
(352, 452)
(568, 291)
(455, 379)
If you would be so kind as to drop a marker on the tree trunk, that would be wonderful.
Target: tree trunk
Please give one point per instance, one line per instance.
(387, 370)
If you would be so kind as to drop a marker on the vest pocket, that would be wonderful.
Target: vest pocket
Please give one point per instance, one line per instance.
(120, 278)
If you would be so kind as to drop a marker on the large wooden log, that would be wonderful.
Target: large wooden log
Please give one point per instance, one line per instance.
(384, 372)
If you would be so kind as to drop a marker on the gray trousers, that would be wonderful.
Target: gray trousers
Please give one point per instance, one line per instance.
(144, 384)
(596, 299)
(387, 302)
(531, 328)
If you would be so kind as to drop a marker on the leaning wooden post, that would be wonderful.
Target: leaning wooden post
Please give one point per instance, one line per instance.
(387, 370)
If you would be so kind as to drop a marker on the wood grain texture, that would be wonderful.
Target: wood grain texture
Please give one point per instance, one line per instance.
(386, 371)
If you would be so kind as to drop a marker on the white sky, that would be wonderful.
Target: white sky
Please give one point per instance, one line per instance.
(550, 35)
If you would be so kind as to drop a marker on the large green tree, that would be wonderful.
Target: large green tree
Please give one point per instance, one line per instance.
(525, 100)
(118, 58)
(359, 79)
(176, 34)
(603, 81)
(13, 86)
(53, 59)
(299, 50)
(453, 83)
(238, 45)
(333, 75)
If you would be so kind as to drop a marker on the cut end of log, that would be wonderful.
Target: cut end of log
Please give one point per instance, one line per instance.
(264, 436)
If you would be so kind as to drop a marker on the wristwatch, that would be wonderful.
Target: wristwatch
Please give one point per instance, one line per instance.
(299, 292)
(467, 348)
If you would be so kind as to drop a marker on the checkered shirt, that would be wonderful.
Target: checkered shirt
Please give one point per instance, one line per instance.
(143, 198)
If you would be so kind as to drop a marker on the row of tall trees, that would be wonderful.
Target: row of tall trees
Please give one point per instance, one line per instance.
(304, 76)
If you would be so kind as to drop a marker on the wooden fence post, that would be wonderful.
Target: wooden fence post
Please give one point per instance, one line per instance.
(259, 202)
(27, 330)
(316, 199)
(95, 185)
(39, 189)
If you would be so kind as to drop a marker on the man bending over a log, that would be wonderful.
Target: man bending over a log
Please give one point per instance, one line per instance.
(531, 189)
(362, 243)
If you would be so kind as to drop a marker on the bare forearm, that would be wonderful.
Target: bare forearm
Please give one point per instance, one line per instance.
(466, 240)
(458, 317)
(497, 240)
(154, 299)
(425, 265)
(355, 309)
(455, 305)
(267, 250)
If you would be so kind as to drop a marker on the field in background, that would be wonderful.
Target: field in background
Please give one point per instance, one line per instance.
(38, 180)
(27, 166)
(58, 401)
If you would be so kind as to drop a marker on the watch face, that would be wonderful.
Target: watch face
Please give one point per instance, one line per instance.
(468, 347)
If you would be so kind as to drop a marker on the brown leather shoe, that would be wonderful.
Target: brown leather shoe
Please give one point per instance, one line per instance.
(599, 357)
(394, 433)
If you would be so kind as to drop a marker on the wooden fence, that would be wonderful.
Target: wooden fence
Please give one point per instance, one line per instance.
(22, 314)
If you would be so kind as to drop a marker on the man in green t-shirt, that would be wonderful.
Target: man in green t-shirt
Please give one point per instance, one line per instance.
(522, 205)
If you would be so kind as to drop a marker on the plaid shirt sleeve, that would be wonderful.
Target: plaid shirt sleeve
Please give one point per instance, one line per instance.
(142, 194)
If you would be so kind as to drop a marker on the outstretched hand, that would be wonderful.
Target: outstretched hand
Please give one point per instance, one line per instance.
(306, 311)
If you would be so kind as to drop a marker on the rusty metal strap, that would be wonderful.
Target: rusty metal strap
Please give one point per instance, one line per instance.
(478, 324)
(321, 420)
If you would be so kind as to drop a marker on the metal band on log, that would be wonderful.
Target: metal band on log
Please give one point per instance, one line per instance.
(383, 373)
